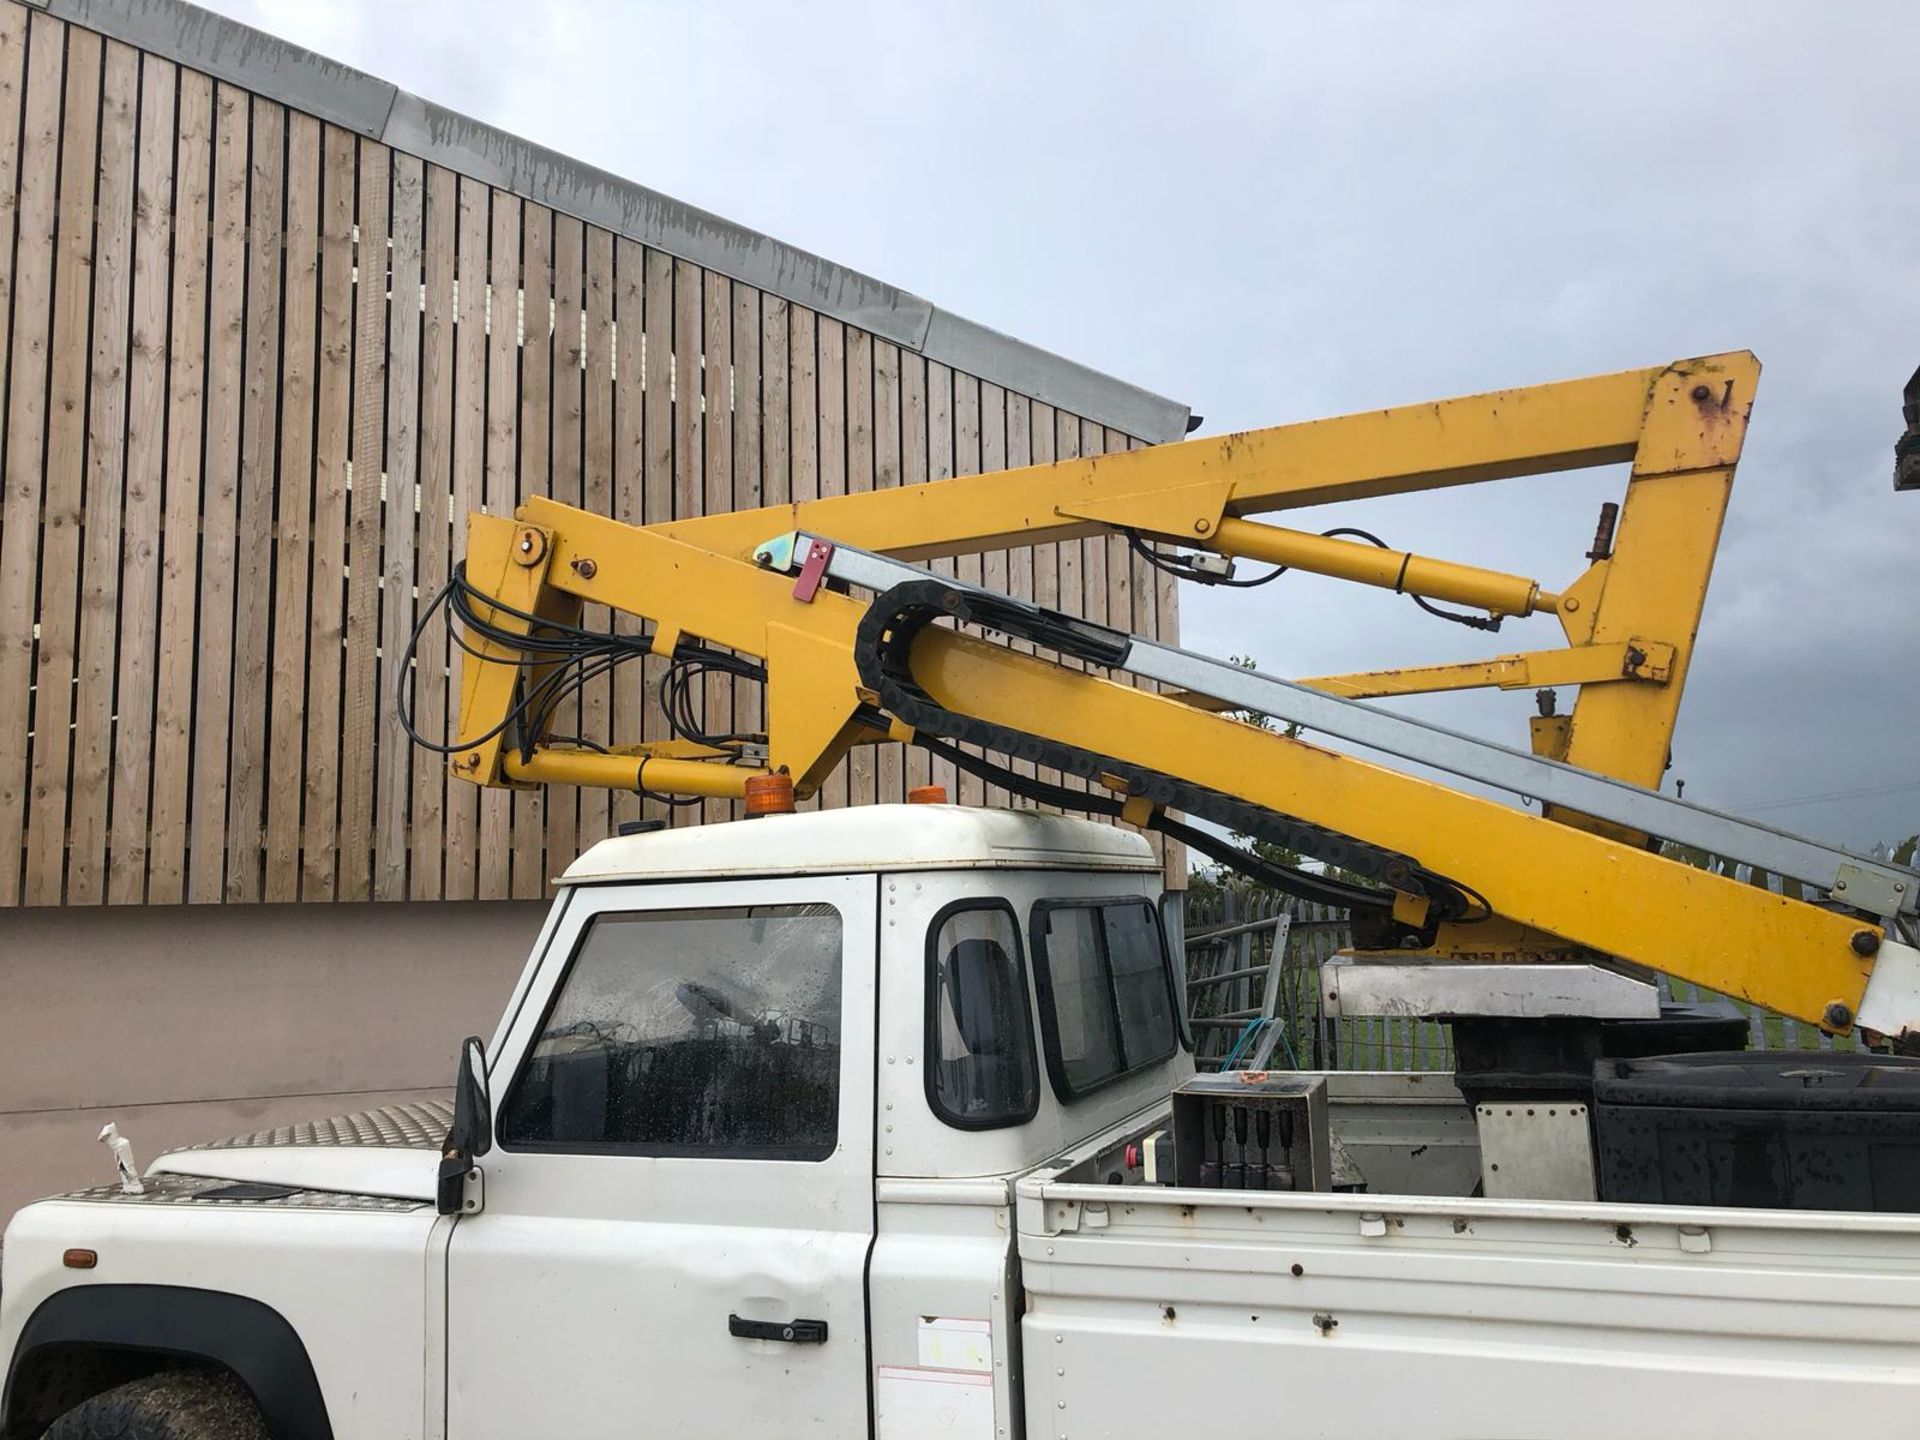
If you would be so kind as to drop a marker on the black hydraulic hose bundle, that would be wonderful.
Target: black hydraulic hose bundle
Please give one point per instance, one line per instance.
(571, 656)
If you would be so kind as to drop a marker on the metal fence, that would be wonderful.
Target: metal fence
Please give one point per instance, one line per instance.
(1253, 988)
(1253, 960)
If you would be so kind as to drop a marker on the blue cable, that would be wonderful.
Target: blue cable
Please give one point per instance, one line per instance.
(1247, 1032)
(1251, 1029)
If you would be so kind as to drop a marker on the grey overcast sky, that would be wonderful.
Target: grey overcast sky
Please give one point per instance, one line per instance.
(1280, 211)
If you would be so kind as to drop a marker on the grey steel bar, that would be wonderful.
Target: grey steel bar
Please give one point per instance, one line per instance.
(1224, 976)
(1523, 773)
(1224, 932)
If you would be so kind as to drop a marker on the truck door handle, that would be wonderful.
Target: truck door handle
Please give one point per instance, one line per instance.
(793, 1332)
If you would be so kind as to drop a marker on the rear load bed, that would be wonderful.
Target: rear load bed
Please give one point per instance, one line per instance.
(1154, 1310)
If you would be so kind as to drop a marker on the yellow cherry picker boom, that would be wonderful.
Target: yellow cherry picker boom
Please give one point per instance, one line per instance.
(859, 645)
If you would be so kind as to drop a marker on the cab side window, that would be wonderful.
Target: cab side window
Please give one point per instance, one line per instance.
(1107, 1003)
(691, 1033)
(981, 1072)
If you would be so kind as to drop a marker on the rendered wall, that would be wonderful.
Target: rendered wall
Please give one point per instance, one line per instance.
(187, 1023)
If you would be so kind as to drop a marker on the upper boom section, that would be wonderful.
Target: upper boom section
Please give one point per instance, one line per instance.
(1182, 491)
(1628, 620)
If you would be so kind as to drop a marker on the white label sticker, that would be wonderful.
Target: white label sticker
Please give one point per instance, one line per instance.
(933, 1404)
(948, 1342)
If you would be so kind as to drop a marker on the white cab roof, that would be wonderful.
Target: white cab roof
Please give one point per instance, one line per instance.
(867, 838)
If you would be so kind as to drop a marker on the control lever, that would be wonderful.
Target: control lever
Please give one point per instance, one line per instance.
(1259, 1177)
(1234, 1176)
(1280, 1176)
(1210, 1169)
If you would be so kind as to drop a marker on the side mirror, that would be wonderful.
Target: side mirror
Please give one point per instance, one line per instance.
(471, 1134)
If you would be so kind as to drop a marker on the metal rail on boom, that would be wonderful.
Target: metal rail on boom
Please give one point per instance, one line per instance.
(1458, 875)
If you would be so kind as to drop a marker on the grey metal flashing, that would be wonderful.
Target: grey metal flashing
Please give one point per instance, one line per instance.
(1064, 384)
(445, 137)
(237, 53)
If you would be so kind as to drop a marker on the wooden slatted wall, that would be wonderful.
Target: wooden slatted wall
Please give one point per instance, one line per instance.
(258, 369)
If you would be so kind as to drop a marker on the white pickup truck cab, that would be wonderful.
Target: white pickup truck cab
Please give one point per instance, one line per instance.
(831, 1124)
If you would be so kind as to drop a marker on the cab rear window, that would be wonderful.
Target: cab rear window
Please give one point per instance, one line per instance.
(1106, 991)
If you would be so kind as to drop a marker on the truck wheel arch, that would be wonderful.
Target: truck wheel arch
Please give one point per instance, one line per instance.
(170, 1324)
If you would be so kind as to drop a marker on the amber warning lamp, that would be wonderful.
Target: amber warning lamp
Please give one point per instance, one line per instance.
(769, 794)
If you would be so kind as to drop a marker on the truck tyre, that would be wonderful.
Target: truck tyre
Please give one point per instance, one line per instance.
(174, 1405)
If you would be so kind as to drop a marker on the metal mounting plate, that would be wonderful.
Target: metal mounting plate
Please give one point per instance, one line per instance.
(1535, 1150)
(1871, 888)
(1356, 985)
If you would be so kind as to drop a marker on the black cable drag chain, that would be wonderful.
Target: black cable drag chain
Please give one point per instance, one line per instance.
(882, 647)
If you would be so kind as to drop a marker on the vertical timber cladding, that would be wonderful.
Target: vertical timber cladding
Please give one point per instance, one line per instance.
(259, 368)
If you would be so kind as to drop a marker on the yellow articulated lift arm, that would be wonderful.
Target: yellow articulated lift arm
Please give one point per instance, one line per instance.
(820, 601)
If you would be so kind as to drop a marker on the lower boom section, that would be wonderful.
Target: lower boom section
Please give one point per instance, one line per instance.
(1597, 893)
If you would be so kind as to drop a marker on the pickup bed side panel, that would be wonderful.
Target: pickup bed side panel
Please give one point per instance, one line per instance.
(1360, 1315)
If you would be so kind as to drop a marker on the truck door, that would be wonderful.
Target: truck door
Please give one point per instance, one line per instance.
(679, 1202)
